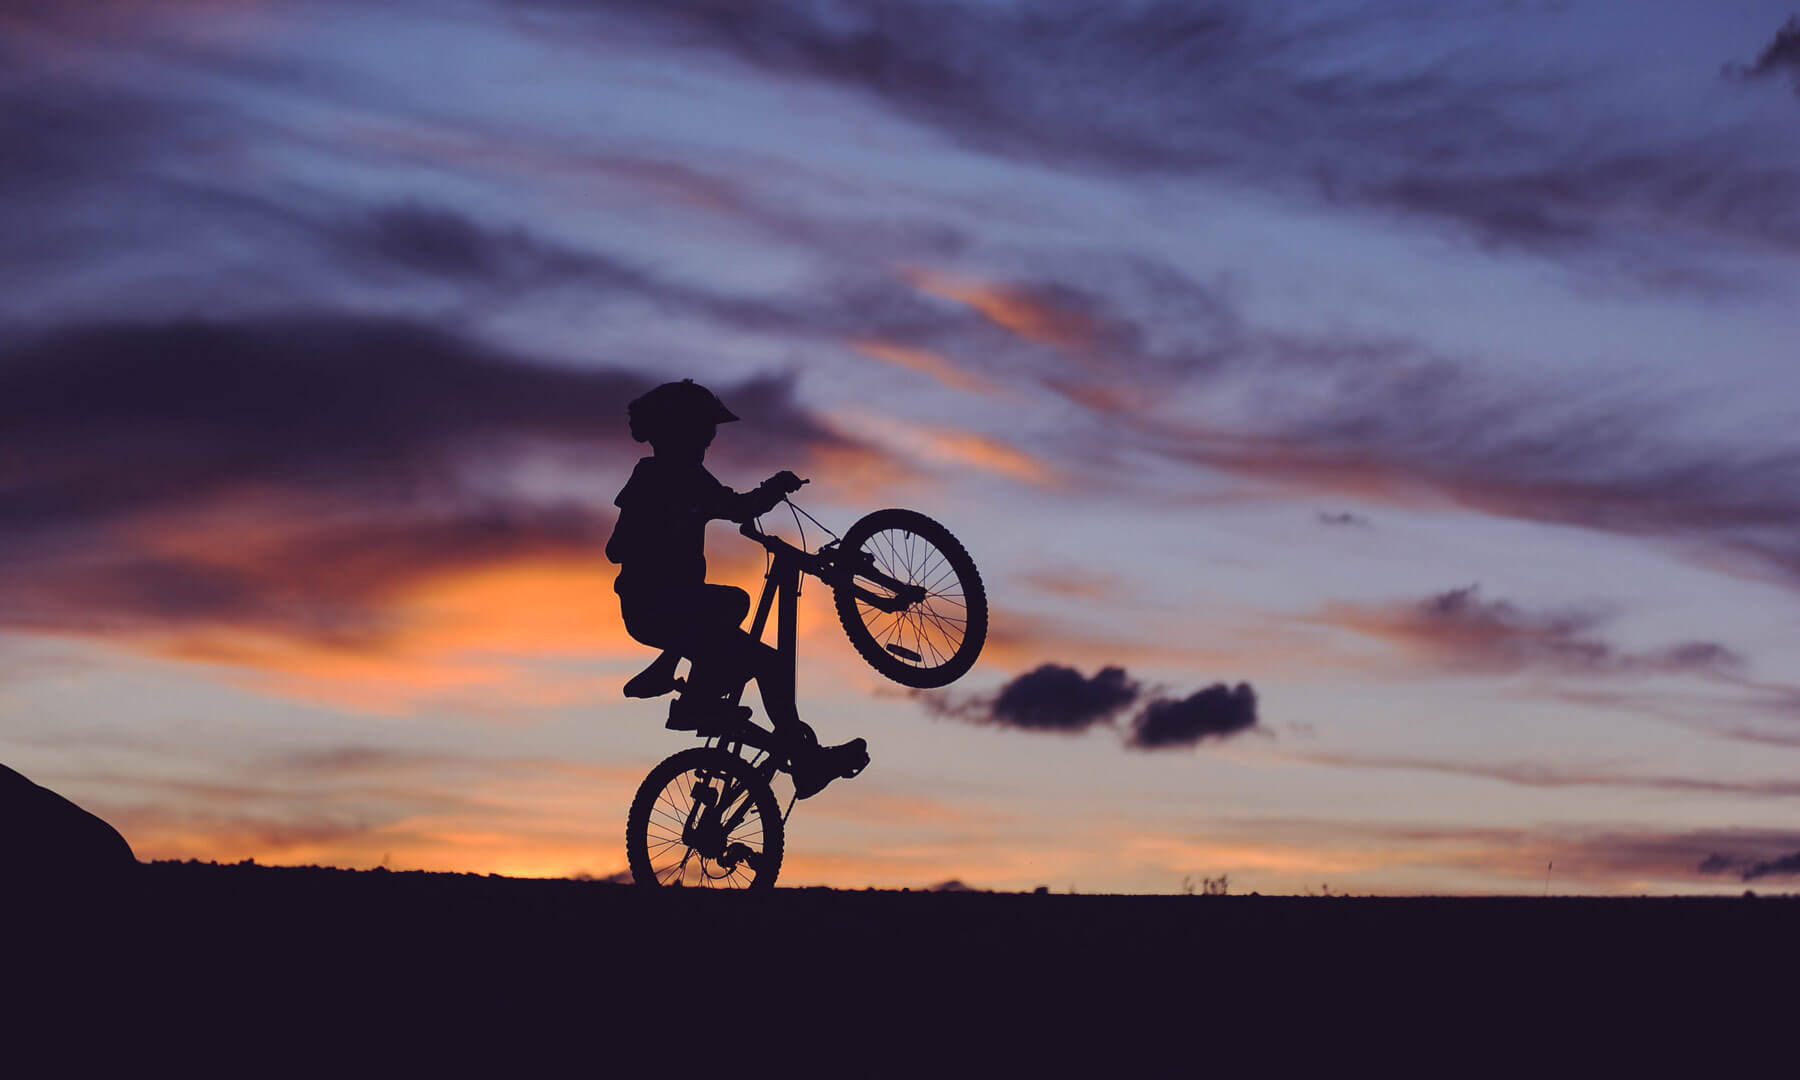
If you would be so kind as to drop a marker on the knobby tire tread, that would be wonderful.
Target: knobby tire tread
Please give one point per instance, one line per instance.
(974, 600)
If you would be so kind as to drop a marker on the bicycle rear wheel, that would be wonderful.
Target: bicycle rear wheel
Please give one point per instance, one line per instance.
(927, 644)
(704, 818)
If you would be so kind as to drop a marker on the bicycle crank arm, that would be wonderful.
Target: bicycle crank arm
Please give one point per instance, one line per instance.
(904, 596)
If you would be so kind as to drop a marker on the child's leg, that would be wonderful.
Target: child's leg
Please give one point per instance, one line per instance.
(727, 657)
(720, 662)
(775, 684)
(733, 658)
(655, 680)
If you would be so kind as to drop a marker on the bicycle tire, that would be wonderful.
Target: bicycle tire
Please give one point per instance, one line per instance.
(936, 666)
(650, 843)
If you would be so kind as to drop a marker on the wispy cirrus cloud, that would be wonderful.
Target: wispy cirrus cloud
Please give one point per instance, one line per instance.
(1544, 774)
(1321, 105)
(927, 362)
(1385, 423)
(1462, 630)
(302, 493)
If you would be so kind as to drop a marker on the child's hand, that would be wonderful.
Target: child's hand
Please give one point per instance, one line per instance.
(784, 482)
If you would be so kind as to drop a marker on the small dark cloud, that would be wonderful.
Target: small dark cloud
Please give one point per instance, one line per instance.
(1217, 712)
(1780, 57)
(1057, 698)
(1343, 519)
(1781, 867)
(1052, 697)
(1753, 868)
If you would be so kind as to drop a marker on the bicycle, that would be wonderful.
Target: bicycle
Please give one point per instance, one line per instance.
(912, 603)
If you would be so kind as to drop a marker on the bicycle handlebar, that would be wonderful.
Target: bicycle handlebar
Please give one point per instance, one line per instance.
(773, 543)
(750, 530)
(829, 565)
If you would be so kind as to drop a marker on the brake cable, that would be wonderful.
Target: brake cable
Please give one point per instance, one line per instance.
(797, 512)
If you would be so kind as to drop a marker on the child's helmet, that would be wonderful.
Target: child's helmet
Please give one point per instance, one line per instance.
(674, 406)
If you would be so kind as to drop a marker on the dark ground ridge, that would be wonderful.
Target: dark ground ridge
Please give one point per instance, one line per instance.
(310, 953)
(335, 908)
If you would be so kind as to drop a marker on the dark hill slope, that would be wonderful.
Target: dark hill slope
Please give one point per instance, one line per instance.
(317, 952)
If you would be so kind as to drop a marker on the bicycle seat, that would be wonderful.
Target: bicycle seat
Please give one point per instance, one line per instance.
(657, 679)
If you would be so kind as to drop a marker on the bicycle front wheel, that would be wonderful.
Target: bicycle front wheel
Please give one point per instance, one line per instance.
(704, 818)
(927, 644)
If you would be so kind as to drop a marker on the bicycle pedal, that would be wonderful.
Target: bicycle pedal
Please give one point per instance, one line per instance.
(857, 764)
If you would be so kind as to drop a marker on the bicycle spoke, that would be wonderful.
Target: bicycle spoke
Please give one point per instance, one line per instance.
(935, 630)
(951, 627)
(948, 571)
(887, 566)
(933, 555)
(938, 656)
(941, 617)
(919, 631)
(878, 630)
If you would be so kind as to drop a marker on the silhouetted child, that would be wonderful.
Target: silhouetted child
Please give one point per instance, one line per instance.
(659, 543)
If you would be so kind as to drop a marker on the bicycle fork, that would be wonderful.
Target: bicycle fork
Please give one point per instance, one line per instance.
(706, 831)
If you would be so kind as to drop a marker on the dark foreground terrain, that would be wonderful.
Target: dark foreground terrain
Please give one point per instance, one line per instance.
(316, 953)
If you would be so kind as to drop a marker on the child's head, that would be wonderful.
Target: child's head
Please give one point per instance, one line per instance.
(678, 419)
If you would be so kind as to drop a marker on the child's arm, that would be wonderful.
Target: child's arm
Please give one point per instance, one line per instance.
(750, 505)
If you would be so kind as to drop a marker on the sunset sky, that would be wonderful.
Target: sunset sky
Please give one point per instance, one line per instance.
(1430, 369)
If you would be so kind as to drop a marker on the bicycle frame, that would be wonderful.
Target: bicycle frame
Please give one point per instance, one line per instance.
(780, 598)
(781, 588)
(717, 789)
